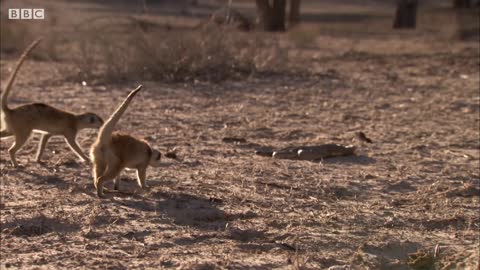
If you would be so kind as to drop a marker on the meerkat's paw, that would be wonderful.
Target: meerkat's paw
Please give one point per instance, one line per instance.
(16, 165)
(107, 190)
(101, 195)
(86, 162)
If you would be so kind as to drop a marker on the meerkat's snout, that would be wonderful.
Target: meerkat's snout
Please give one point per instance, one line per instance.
(155, 159)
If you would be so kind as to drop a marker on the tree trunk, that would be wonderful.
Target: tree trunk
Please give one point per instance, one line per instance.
(278, 23)
(406, 14)
(462, 3)
(272, 17)
(294, 16)
(263, 10)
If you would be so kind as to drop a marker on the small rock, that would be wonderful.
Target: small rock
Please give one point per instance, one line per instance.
(264, 152)
(234, 140)
(171, 155)
(339, 267)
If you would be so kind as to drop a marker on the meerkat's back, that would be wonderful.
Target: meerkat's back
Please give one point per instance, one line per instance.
(131, 151)
(42, 117)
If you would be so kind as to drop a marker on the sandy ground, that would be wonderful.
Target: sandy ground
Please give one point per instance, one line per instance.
(411, 196)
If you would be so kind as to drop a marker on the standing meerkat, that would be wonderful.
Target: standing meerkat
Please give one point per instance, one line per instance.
(113, 152)
(22, 120)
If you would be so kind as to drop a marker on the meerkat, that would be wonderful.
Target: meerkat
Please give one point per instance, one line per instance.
(22, 120)
(113, 152)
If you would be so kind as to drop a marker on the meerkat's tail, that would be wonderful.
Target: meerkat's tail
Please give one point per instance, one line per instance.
(20, 61)
(106, 130)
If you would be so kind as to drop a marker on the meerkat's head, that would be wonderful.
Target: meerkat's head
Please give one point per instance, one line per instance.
(155, 158)
(89, 120)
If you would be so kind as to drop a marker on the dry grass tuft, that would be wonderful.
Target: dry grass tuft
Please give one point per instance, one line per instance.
(162, 55)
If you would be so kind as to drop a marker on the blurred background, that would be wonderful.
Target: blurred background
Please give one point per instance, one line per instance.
(213, 40)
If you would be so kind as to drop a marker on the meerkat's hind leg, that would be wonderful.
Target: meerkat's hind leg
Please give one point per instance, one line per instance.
(20, 139)
(112, 171)
(141, 177)
(72, 142)
(41, 146)
(98, 170)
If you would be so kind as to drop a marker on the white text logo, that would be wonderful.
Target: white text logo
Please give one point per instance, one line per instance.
(26, 13)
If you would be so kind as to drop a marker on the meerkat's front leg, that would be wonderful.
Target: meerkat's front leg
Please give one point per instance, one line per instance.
(141, 177)
(72, 142)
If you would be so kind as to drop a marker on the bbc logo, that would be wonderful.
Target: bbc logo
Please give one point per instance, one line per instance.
(26, 13)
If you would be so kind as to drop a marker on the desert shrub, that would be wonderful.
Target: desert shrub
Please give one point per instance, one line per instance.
(116, 49)
(113, 52)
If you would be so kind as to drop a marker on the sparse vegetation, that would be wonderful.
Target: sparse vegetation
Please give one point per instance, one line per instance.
(102, 52)
(209, 54)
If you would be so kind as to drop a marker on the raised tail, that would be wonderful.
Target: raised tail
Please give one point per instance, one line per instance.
(20, 61)
(106, 130)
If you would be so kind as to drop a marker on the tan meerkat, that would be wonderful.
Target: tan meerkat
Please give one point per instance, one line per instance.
(113, 152)
(22, 120)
